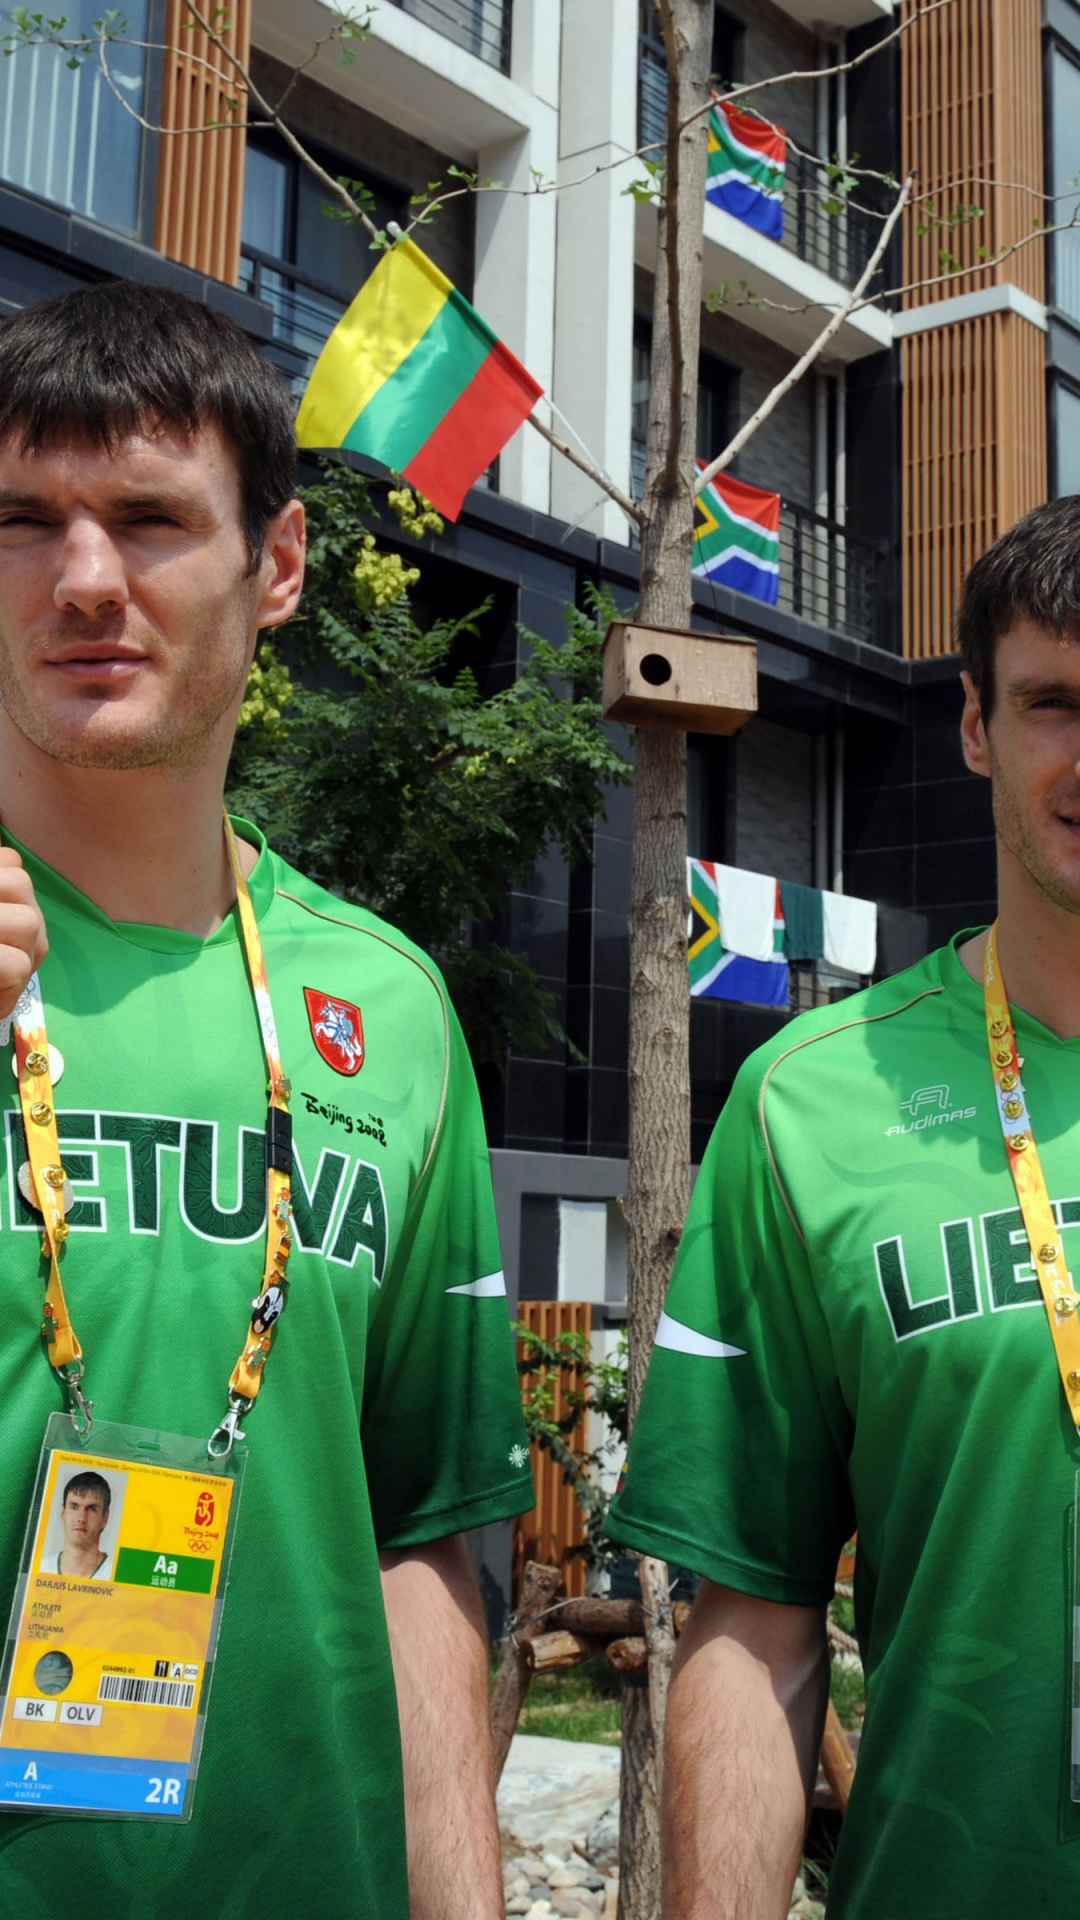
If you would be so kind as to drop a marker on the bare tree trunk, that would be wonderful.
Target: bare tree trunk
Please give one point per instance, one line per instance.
(659, 1171)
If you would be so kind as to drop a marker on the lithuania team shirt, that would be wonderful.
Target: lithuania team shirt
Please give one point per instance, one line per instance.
(390, 1413)
(854, 1335)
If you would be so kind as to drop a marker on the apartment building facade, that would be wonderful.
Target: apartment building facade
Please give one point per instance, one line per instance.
(936, 417)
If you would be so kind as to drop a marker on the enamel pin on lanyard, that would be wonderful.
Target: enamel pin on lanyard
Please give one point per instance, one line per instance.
(111, 1641)
(1044, 1239)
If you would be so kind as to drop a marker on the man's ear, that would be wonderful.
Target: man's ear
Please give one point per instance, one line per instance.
(283, 566)
(973, 731)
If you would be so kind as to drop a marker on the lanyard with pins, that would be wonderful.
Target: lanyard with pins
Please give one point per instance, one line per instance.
(1031, 1191)
(51, 1189)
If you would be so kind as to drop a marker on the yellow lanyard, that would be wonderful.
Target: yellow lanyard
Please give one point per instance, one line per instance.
(1024, 1164)
(53, 1195)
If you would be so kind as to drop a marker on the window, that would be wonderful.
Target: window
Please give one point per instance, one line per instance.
(65, 134)
(306, 264)
(652, 65)
(480, 26)
(1064, 181)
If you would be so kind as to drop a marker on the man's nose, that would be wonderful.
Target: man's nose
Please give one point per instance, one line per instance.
(92, 578)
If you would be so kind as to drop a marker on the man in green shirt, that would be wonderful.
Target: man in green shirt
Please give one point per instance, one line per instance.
(855, 1337)
(148, 533)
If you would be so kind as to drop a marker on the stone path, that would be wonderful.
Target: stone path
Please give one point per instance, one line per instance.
(559, 1820)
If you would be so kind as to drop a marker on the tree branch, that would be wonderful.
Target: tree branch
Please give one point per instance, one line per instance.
(792, 378)
(632, 508)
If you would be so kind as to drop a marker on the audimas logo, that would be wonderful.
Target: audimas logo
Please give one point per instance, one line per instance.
(930, 1107)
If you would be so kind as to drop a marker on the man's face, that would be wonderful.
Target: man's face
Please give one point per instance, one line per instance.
(1030, 748)
(85, 1516)
(127, 615)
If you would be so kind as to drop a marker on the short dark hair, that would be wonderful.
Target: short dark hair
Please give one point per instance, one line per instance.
(88, 1483)
(1032, 572)
(97, 364)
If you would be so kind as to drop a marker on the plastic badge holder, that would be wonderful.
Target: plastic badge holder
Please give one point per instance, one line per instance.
(106, 1674)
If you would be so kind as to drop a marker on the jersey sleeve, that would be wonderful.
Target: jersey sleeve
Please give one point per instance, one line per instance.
(442, 1426)
(738, 1462)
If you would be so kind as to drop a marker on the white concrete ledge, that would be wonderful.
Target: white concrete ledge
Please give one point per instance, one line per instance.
(796, 299)
(971, 306)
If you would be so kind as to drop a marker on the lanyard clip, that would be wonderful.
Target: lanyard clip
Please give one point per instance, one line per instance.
(224, 1438)
(79, 1407)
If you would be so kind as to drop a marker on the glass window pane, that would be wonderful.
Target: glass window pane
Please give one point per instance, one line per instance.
(266, 191)
(337, 252)
(1066, 440)
(67, 134)
(1065, 181)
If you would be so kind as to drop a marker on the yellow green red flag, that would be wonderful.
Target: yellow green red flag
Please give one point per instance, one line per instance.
(412, 376)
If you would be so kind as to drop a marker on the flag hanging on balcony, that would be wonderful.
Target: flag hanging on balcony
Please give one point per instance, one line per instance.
(412, 376)
(746, 163)
(715, 972)
(737, 537)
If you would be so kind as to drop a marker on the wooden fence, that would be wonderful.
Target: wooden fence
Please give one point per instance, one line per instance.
(555, 1523)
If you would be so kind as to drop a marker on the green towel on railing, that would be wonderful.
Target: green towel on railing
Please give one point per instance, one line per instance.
(804, 921)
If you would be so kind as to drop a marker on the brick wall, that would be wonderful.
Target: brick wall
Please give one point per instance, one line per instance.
(774, 801)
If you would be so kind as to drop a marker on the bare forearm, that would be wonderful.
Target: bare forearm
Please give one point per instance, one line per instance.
(439, 1649)
(743, 1732)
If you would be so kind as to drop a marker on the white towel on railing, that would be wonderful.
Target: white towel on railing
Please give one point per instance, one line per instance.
(747, 906)
(850, 932)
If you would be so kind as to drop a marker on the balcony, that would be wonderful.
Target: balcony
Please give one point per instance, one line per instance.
(836, 578)
(305, 311)
(482, 27)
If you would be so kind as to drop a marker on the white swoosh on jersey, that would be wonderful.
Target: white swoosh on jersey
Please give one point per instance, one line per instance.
(491, 1287)
(680, 1339)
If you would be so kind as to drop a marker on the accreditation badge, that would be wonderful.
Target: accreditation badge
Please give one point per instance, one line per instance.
(110, 1648)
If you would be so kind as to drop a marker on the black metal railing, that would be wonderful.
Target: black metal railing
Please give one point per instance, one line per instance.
(834, 577)
(839, 243)
(480, 26)
(305, 311)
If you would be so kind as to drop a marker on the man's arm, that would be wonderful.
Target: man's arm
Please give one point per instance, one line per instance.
(745, 1715)
(440, 1653)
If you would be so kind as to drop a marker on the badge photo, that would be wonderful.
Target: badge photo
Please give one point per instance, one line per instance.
(337, 1030)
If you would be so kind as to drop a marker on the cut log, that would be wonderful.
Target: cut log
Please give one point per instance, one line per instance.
(628, 1655)
(539, 1587)
(610, 1619)
(546, 1652)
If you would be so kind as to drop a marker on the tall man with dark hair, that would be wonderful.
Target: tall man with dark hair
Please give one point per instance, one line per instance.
(873, 1324)
(148, 533)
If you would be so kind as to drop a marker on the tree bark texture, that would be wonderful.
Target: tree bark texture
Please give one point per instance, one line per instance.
(539, 1588)
(658, 1185)
(639, 1809)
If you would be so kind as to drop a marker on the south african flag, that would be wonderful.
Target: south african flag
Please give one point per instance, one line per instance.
(716, 974)
(737, 537)
(746, 164)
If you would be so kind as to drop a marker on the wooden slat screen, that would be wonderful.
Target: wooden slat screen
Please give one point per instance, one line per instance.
(971, 91)
(201, 173)
(974, 392)
(555, 1522)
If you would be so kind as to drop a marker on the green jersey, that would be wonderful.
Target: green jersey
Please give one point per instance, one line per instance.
(854, 1336)
(390, 1414)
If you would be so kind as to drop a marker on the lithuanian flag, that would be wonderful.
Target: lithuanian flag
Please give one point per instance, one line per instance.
(413, 377)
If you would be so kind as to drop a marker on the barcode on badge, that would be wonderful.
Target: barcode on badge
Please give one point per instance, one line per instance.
(146, 1693)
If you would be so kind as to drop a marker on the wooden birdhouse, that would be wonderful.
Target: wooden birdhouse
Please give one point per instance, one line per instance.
(664, 677)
